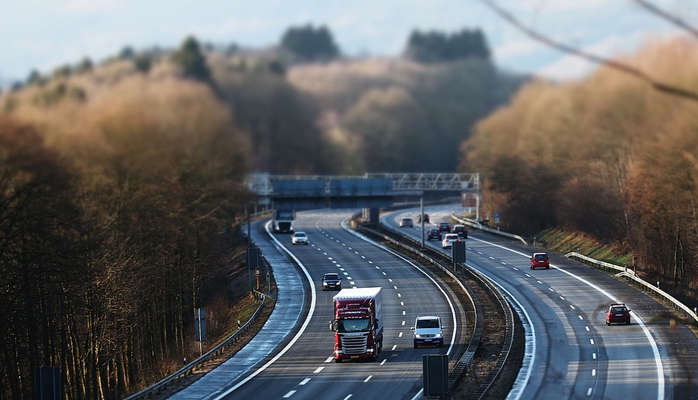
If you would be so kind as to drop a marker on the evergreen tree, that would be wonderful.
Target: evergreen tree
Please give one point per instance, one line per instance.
(126, 53)
(310, 43)
(192, 62)
(143, 62)
(433, 47)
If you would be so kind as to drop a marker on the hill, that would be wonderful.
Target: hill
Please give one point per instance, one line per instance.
(608, 156)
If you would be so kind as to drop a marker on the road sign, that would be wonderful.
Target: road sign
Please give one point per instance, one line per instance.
(468, 200)
(47, 383)
(200, 319)
(458, 252)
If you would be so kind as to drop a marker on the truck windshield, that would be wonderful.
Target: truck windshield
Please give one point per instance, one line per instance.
(286, 215)
(353, 325)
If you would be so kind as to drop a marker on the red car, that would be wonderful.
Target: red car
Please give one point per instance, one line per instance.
(618, 313)
(540, 260)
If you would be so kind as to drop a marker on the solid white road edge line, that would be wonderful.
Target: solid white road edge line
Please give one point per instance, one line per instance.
(648, 334)
(300, 331)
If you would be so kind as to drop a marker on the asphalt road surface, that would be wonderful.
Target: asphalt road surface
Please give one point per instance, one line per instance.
(571, 353)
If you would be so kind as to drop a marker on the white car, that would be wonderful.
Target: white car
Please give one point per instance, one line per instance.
(448, 240)
(299, 238)
(428, 330)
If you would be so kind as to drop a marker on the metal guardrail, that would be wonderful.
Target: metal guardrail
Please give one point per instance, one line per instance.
(477, 225)
(630, 276)
(466, 359)
(481, 392)
(211, 354)
(623, 271)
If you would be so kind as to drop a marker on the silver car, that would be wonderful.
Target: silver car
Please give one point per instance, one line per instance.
(428, 330)
(299, 238)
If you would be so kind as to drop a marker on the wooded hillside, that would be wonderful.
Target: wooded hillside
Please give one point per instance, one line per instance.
(608, 156)
(121, 186)
(111, 212)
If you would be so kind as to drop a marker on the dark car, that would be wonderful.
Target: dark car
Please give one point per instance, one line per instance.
(445, 226)
(331, 281)
(423, 217)
(461, 230)
(406, 223)
(434, 233)
(540, 260)
(618, 313)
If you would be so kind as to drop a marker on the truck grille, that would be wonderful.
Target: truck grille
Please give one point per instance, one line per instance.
(354, 344)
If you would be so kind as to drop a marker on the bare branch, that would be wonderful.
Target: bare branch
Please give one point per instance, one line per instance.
(657, 85)
(671, 18)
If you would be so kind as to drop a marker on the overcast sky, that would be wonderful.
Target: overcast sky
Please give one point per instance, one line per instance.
(43, 34)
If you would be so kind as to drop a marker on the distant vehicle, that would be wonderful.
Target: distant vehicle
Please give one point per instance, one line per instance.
(617, 313)
(331, 280)
(299, 238)
(423, 217)
(445, 226)
(283, 221)
(540, 260)
(434, 233)
(428, 330)
(461, 230)
(406, 223)
(449, 239)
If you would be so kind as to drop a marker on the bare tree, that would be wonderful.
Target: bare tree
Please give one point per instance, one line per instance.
(629, 69)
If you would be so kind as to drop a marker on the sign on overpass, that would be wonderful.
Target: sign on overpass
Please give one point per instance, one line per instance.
(310, 194)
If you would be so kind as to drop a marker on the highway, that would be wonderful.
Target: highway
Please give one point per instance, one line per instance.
(571, 353)
(307, 370)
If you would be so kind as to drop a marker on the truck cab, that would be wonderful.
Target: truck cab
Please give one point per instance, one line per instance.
(283, 221)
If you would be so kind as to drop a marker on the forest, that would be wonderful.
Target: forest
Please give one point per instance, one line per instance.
(122, 186)
(609, 157)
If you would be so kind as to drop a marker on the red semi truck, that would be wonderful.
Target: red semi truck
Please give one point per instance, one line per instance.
(357, 324)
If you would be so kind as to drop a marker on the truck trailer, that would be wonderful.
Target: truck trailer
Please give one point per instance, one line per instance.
(357, 324)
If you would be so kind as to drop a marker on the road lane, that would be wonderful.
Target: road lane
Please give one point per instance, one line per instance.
(307, 370)
(573, 354)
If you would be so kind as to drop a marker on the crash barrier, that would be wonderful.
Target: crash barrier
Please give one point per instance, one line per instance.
(214, 353)
(622, 271)
(477, 225)
(630, 276)
(462, 365)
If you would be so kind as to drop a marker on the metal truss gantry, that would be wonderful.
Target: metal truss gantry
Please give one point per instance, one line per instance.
(261, 183)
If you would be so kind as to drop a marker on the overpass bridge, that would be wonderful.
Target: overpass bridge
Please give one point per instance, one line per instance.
(263, 183)
(369, 191)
